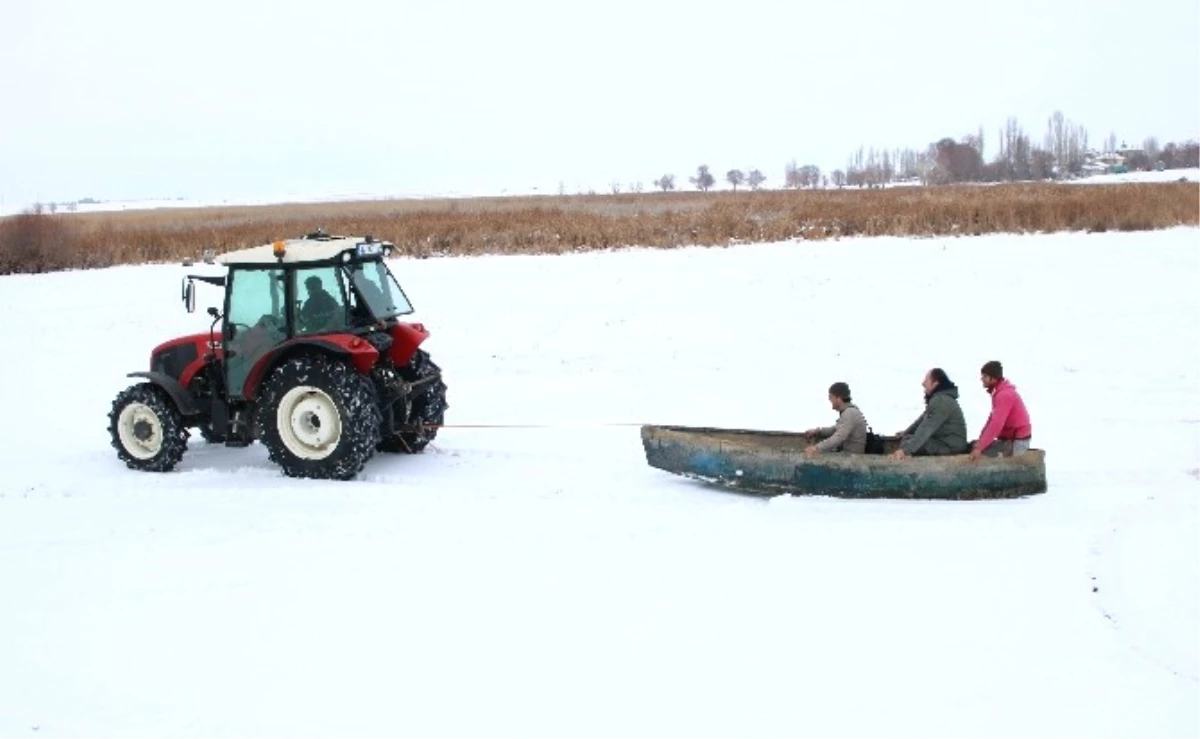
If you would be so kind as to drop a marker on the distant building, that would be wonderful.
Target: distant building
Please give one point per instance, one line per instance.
(1135, 158)
(1127, 151)
(1110, 162)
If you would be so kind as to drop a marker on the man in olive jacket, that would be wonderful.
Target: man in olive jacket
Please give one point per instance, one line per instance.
(941, 429)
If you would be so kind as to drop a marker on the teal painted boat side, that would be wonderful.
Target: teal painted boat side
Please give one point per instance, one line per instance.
(773, 462)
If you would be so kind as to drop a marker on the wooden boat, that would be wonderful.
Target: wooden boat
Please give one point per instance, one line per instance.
(773, 463)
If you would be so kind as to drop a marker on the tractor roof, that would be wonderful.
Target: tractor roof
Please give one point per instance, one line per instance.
(312, 248)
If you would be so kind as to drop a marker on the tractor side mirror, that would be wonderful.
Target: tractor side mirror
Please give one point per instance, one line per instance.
(189, 295)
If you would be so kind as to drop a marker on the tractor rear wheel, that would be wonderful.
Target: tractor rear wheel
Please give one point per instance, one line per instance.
(318, 418)
(147, 429)
(428, 407)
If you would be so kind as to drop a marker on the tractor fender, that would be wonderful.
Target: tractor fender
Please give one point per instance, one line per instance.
(183, 401)
(359, 352)
(406, 337)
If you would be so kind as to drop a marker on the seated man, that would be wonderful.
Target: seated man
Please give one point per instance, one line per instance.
(320, 310)
(1008, 431)
(850, 432)
(941, 429)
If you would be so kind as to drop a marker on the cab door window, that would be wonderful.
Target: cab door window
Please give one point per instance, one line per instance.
(320, 301)
(254, 322)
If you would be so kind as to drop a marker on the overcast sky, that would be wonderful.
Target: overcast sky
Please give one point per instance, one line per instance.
(240, 99)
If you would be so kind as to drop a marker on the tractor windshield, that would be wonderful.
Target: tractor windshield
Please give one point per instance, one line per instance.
(379, 289)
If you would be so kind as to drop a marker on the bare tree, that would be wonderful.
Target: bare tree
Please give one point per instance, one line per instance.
(1188, 154)
(755, 179)
(735, 177)
(615, 187)
(1018, 152)
(1057, 135)
(796, 176)
(975, 142)
(927, 166)
(1076, 149)
(910, 164)
(666, 182)
(1041, 164)
(958, 162)
(839, 178)
(703, 179)
(1150, 146)
(791, 175)
(1181, 155)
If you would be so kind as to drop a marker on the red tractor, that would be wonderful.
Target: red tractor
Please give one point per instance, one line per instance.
(311, 359)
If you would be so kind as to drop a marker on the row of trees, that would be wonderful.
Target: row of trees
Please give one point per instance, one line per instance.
(794, 175)
(1063, 152)
(704, 179)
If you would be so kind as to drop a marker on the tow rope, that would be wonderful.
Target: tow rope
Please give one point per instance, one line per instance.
(524, 425)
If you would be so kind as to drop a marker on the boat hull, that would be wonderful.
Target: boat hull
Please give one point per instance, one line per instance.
(774, 463)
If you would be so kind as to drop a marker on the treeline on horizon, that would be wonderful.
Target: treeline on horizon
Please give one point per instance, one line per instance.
(1064, 152)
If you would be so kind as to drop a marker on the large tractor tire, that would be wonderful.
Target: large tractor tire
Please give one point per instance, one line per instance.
(147, 429)
(318, 418)
(428, 407)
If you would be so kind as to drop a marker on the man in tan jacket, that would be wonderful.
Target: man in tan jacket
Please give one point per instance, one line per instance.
(849, 434)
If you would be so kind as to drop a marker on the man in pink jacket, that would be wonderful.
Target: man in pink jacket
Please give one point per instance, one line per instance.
(1007, 431)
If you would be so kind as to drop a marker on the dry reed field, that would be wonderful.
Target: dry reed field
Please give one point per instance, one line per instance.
(40, 242)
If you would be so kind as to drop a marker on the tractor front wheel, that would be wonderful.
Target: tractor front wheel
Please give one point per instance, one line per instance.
(147, 429)
(318, 418)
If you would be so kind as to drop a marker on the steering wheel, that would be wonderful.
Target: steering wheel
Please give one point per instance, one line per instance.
(240, 328)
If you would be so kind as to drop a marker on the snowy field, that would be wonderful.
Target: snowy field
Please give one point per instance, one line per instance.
(1167, 175)
(547, 582)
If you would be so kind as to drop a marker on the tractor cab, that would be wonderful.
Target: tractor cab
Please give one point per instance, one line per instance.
(301, 288)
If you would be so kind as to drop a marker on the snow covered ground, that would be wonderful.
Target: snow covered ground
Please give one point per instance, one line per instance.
(1167, 175)
(547, 582)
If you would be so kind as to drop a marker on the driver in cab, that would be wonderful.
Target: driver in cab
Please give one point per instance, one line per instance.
(318, 311)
